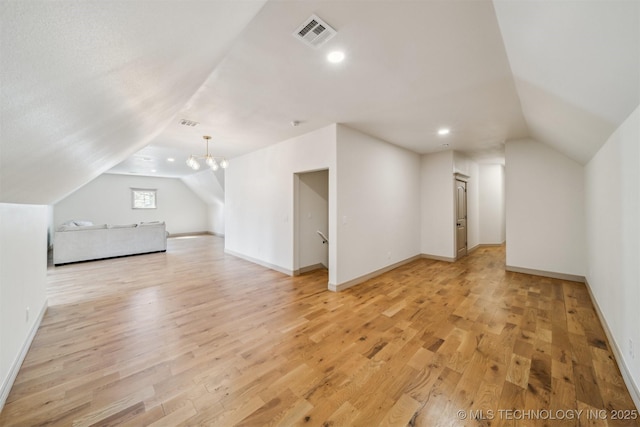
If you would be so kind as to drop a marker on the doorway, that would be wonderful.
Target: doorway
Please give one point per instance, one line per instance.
(311, 228)
(461, 217)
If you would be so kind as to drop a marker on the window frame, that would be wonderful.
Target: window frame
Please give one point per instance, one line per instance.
(149, 198)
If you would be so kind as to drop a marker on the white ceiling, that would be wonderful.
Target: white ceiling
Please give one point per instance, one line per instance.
(87, 85)
(576, 66)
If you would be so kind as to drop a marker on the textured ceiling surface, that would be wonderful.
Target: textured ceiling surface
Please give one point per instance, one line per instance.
(90, 87)
(576, 66)
(87, 84)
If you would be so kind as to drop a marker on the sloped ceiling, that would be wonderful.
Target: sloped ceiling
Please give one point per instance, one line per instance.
(576, 66)
(411, 68)
(86, 85)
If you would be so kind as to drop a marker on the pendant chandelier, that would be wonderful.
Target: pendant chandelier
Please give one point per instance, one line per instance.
(213, 162)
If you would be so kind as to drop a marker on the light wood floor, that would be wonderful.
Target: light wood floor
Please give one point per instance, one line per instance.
(196, 337)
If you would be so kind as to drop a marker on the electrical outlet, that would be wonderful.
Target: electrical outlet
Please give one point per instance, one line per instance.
(631, 353)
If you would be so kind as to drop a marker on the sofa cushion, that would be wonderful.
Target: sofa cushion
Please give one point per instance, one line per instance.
(82, 228)
(122, 226)
(72, 223)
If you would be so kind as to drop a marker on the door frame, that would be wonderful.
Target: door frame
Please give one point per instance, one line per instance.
(297, 219)
(462, 178)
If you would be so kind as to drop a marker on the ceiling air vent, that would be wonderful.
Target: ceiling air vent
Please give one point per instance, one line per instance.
(314, 32)
(185, 122)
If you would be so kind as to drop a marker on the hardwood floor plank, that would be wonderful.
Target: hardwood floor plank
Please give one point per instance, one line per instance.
(198, 338)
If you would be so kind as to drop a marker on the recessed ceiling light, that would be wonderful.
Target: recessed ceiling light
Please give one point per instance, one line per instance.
(444, 131)
(335, 57)
(153, 170)
(171, 159)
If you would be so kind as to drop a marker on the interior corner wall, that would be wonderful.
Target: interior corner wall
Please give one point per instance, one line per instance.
(209, 187)
(612, 207)
(215, 217)
(492, 204)
(259, 198)
(107, 200)
(23, 273)
(437, 205)
(544, 209)
(50, 226)
(378, 204)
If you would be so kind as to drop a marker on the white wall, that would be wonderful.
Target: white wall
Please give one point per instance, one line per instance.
(50, 226)
(209, 186)
(23, 272)
(259, 210)
(612, 181)
(544, 209)
(373, 202)
(491, 204)
(437, 205)
(215, 218)
(378, 204)
(107, 200)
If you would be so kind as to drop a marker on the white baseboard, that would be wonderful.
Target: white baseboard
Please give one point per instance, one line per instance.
(196, 233)
(260, 262)
(17, 363)
(308, 268)
(551, 274)
(358, 280)
(437, 257)
(486, 245)
(634, 389)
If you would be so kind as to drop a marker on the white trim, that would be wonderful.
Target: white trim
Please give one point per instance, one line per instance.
(458, 176)
(484, 245)
(196, 233)
(309, 268)
(551, 274)
(17, 363)
(260, 262)
(364, 278)
(488, 245)
(437, 257)
(633, 388)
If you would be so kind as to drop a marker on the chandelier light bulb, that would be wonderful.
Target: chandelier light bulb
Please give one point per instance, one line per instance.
(209, 159)
(193, 163)
(211, 162)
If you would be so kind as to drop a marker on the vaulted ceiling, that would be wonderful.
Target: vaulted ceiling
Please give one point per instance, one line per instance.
(89, 87)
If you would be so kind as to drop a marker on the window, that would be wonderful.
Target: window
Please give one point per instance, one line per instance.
(143, 198)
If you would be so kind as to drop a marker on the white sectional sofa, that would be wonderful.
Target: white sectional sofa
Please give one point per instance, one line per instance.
(73, 243)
